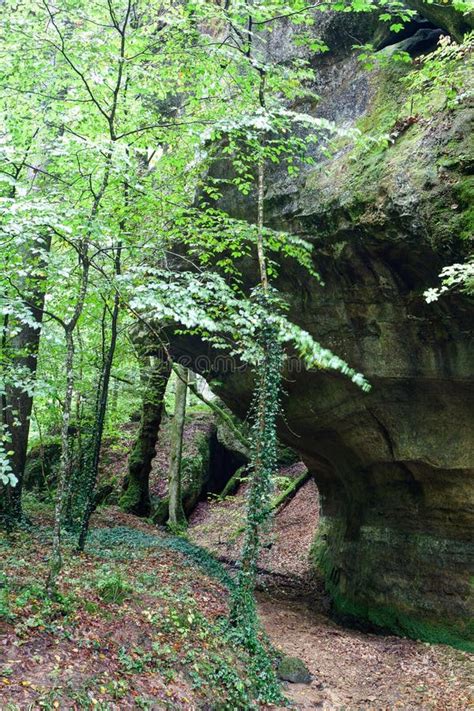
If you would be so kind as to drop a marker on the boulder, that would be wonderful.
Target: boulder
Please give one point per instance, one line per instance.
(452, 19)
(41, 464)
(294, 670)
(211, 457)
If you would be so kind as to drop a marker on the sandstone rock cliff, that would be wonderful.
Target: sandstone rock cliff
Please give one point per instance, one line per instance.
(394, 467)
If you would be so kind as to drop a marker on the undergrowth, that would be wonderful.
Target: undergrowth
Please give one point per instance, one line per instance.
(151, 608)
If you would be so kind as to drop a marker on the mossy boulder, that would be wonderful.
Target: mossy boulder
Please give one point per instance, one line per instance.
(41, 464)
(227, 438)
(294, 670)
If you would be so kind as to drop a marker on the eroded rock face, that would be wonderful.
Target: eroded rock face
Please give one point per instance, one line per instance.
(394, 467)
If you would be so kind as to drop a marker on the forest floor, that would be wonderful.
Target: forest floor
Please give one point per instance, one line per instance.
(139, 622)
(217, 525)
(355, 671)
(351, 670)
(138, 625)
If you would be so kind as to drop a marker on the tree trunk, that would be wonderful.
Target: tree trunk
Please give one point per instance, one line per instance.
(16, 403)
(155, 374)
(176, 516)
(65, 467)
(220, 412)
(291, 490)
(64, 473)
(101, 409)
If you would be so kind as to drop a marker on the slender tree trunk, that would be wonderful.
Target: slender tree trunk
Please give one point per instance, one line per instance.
(264, 444)
(260, 245)
(77, 433)
(84, 261)
(66, 444)
(176, 515)
(65, 466)
(155, 374)
(103, 392)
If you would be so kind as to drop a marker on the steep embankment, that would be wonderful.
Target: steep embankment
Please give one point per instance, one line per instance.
(138, 623)
(217, 525)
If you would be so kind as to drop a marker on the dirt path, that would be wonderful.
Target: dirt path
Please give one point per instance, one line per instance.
(355, 671)
(352, 671)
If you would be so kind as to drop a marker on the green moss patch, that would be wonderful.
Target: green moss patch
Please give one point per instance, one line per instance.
(356, 597)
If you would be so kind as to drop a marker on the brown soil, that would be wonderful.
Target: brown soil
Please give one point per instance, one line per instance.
(352, 670)
(217, 525)
(359, 671)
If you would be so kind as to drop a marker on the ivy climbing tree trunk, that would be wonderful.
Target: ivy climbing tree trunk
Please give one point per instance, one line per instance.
(66, 445)
(19, 346)
(176, 516)
(92, 469)
(265, 409)
(155, 372)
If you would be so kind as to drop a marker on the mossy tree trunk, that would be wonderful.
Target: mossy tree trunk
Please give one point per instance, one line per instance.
(155, 374)
(21, 351)
(291, 490)
(176, 515)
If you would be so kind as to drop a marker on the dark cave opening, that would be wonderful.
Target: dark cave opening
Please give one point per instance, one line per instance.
(223, 463)
(419, 36)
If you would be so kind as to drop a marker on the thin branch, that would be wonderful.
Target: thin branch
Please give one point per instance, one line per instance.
(62, 50)
(35, 306)
(121, 60)
(168, 124)
(37, 169)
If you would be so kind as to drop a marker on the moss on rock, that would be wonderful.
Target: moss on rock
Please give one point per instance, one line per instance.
(41, 463)
(412, 165)
(395, 603)
(294, 670)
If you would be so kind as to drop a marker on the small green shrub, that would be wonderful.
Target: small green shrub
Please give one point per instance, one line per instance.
(4, 599)
(111, 585)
